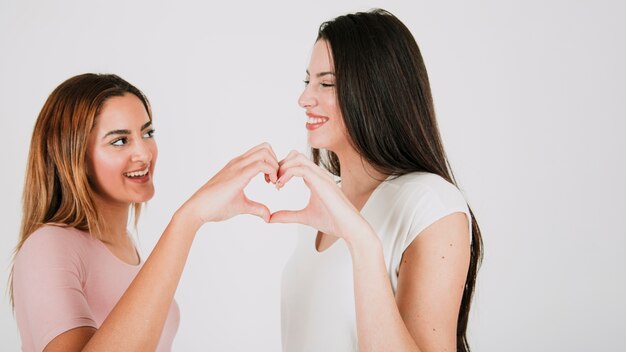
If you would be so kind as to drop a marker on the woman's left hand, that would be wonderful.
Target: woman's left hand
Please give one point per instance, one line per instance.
(223, 197)
(328, 210)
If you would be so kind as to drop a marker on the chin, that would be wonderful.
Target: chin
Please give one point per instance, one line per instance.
(144, 197)
(317, 143)
(329, 141)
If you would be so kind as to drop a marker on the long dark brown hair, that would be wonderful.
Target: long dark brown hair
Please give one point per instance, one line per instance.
(57, 189)
(384, 95)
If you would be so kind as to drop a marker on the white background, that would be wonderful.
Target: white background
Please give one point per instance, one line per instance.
(531, 101)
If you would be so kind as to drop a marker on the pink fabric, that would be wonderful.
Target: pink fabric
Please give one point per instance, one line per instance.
(64, 278)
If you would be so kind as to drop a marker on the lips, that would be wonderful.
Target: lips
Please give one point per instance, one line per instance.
(315, 121)
(138, 173)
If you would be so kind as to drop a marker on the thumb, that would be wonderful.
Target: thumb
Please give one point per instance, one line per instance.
(257, 209)
(288, 216)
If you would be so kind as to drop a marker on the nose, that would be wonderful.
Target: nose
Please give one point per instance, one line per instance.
(142, 151)
(307, 98)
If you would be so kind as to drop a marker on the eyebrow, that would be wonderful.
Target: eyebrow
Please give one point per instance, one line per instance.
(321, 74)
(145, 125)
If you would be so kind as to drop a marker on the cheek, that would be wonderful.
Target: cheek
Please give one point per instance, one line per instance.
(339, 127)
(104, 167)
(332, 105)
(155, 152)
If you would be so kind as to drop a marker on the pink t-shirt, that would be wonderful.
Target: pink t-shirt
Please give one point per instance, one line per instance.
(64, 278)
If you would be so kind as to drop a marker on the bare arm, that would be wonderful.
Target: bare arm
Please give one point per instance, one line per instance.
(423, 314)
(138, 318)
(379, 324)
(429, 287)
(136, 321)
(431, 281)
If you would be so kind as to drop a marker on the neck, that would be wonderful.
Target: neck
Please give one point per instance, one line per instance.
(358, 177)
(115, 216)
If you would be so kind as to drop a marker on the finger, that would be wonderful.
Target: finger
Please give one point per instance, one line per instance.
(292, 154)
(299, 171)
(273, 177)
(299, 161)
(291, 163)
(266, 156)
(258, 209)
(288, 216)
(261, 146)
(258, 166)
(253, 149)
(303, 160)
(297, 158)
(287, 164)
(261, 154)
(271, 150)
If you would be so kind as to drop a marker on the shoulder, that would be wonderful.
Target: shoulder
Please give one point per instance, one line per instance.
(48, 284)
(426, 198)
(431, 190)
(56, 235)
(53, 241)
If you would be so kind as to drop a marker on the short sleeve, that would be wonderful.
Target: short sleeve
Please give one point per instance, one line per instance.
(433, 201)
(47, 287)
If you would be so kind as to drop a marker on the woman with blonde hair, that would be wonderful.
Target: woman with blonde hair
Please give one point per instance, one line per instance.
(78, 282)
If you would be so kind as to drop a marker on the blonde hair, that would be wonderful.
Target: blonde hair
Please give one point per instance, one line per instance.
(57, 189)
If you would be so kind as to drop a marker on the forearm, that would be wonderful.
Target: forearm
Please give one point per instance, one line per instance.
(136, 321)
(379, 324)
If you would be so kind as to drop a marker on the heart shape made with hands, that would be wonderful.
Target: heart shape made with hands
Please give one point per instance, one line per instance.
(294, 195)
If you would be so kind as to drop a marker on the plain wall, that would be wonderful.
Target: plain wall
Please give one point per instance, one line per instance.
(531, 102)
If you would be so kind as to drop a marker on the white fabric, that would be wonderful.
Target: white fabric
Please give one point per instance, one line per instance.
(318, 310)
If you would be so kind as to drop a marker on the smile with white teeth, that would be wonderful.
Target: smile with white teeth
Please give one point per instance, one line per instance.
(313, 120)
(137, 173)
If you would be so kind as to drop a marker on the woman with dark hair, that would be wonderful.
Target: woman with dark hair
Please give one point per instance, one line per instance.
(403, 277)
(78, 282)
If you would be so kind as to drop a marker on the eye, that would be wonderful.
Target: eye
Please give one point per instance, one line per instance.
(327, 85)
(306, 82)
(149, 134)
(119, 141)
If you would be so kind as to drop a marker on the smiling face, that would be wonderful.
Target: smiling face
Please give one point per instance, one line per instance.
(121, 152)
(326, 129)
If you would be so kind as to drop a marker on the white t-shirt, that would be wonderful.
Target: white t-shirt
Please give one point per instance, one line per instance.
(318, 309)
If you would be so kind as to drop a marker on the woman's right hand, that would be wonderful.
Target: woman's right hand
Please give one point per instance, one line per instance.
(328, 210)
(222, 197)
